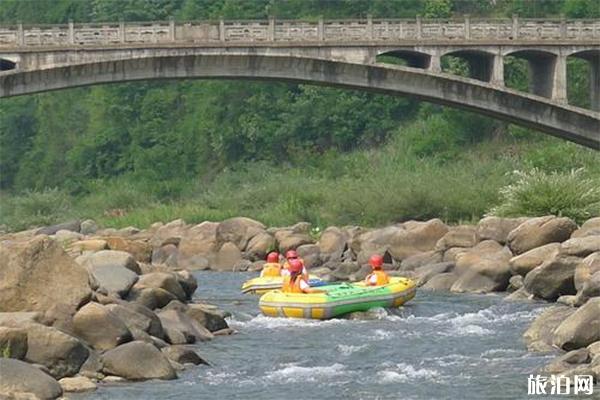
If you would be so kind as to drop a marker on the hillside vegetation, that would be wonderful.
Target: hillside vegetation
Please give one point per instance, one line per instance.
(136, 153)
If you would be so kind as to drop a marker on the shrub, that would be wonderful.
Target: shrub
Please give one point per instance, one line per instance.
(35, 209)
(537, 193)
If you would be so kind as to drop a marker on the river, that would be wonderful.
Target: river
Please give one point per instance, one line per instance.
(438, 346)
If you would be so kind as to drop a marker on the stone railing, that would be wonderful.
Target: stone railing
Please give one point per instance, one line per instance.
(295, 31)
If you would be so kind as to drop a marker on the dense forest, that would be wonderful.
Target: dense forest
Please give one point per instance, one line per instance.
(138, 152)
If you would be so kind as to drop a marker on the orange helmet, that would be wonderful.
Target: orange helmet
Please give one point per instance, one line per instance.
(273, 257)
(295, 265)
(291, 254)
(376, 261)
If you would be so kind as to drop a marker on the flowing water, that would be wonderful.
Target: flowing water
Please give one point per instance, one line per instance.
(438, 346)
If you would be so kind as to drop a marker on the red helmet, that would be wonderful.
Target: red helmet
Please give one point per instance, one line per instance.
(376, 261)
(295, 265)
(290, 254)
(273, 257)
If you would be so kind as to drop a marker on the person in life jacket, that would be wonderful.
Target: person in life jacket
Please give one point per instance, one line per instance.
(272, 268)
(293, 255)
(295, 282)
(378, 277)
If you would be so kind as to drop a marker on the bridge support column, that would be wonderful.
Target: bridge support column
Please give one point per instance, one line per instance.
(595, 83)
(559, 80)
(498, 70)
(542, 75)
(435, 63)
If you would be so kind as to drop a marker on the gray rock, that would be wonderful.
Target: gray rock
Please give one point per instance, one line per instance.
(24, 381)
(113, 258)
(137, 316)
(497, 229)
(13, 342)
(553, 278)
(60, 353)
(77, 384)
(183, 355)
(580, 329)
(113, 278)
(421, 259)
(585, 269)
(589, 227)
(425, 273)
(162, 280)
(138, 361)
(175, 320)
(188, 282)
(515, 283)
(100, 327)
(526, 262)
(482, 269)
(581, 247)
(73, 226)
(540, 333)
(458, 236)
(208, 316)
(443, 281)
(239, 231)
(150, 297)
(537, 232)
(88, 227)
(227, 256)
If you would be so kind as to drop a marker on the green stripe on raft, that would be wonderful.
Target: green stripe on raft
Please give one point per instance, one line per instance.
(338, 300)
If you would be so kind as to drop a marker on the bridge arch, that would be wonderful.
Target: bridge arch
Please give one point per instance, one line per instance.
(541, 70)
(410, 58)
(480, 63)
(592, 60)
(570, 123)
(6, 65)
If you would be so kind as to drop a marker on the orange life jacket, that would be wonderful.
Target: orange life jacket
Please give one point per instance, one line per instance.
(382, 278)
(292, 287)
(271, 270)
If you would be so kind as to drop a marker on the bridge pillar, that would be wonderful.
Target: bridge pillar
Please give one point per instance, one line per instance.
(498, 70)
(595, 83)
(559, 79)
(542, 75)
(435, 63)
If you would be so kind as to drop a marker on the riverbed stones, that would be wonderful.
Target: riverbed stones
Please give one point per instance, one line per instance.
(580, 329)
(100, 327)
(162, 280)
(137, 316)
(60, 353)
(459, 236)
(73, 226)
(24, 381)
(421, 259)
(553, 278)
(581, 246)
(208, 316)
(229, 254)
(585, 269)
(426, 272)
(260, 245)
(496, 228)
(176, 322)
(589, 227)
(526, 262)
(37, 274)
(140, 250)
(198, 243)
(539, 335)
(482, 269)
(13, 342)
(77, 384)
(332, 243)
(112, 259)
(138, 360)
(441, 282)
(112, 278)
(149, 297)
(238, 231)
(183, 355)
(188, 282)
(416, 237)
(292, 241)
(539, 231)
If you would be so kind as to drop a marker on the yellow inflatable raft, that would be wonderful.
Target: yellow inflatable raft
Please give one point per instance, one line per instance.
(339, 299)
(262, 285)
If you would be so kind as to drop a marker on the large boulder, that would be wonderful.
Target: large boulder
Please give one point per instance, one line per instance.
(136, 316)
(260, 245)
(459, 236)
(37, 274)
(91, 245)
(88, 227)
(589, 228)
(421, 259)
(188, 282)
(177, 322)
(443, 282)
(77, 384)
(426, 272)
(140, 250)
(482, 269)
(112, 278)
(293, 241)
(100, 327)
(208, 316)
(591, 288)
(20, 380)
(238, 231)
(539, 231)
(198, 243)
(496, 228)
(580, 329)
(539, 335)
(310, 254)
(183, 355)
(227, 257)
(13, 342)
(169, 233)
(332, 243)
(162, 280)
(112, 259)
(416, 237)
(150, 297)
(138, 360)
(73, 226)
(60, 353)
(581, 246)
(553, 278)
(585, 269)
(526, 262)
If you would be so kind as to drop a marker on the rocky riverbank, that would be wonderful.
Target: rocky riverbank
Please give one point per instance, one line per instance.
(105, 297)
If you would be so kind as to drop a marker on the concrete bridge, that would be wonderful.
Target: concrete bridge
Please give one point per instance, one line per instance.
(336, 53)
